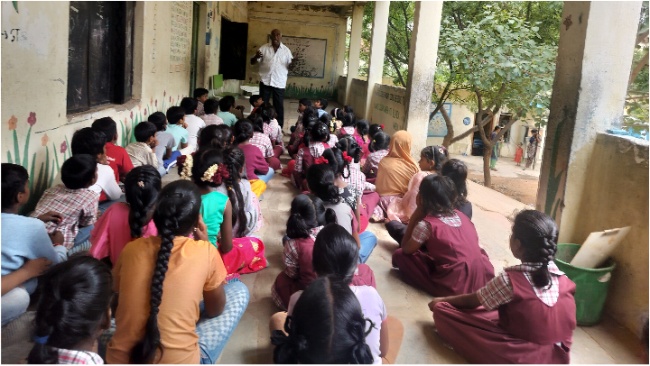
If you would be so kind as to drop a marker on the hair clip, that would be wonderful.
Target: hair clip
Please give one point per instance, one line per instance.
(140, 184)
(381, 126)
(41, 340)
(321, 160)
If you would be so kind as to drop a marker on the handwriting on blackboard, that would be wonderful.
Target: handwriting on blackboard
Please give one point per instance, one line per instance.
(179, 52)
(308, 56)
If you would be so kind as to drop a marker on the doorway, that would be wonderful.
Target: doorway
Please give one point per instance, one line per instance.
(232, 52)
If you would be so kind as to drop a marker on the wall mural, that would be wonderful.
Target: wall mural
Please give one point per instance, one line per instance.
(43, 163)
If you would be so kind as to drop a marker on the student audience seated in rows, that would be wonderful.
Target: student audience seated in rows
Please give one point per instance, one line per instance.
(177, 252)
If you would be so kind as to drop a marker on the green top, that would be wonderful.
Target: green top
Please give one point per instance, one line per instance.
(213, 205)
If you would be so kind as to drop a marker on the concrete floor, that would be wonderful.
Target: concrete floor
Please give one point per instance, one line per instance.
(492, 211)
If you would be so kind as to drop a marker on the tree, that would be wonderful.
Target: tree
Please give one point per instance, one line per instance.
(636, 103)
(501, 61)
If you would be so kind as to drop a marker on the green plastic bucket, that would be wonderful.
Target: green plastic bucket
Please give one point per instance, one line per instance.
(591, 284)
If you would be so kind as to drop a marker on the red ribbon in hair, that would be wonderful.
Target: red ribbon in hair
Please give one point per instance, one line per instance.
(347, 157)
(221, 174)
(321, 160)
(382, 126)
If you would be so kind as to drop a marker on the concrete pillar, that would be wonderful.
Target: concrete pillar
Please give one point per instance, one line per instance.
(593, 66)
(422, 68)
(355, 48)
(377, 52)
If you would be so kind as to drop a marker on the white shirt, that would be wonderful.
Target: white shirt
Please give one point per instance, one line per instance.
(194, 125)
(274, 66)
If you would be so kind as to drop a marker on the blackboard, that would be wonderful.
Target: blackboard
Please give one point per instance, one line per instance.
(309, 56)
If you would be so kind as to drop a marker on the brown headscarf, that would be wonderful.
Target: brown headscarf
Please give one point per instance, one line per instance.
(397, 168)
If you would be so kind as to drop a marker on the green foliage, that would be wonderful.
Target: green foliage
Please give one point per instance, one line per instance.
(636, 104)
(498, 56)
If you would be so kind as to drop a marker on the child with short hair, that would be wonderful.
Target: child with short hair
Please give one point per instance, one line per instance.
(256, 101)
(27, 249)
(126, 221)
(263, 142)
(162, 282)
(141, 151)
(73, 199)
(92, 142)
(117, 157)
(72, 311)
(210, 117)
(519, 154)
(440, 252)
(201, 96)
(226, 106)
(320, 105)
(271, 127)
(165, 152)
(193, 124)
(242, 254)
(176, 127)
(378, 150)
(258, 170)
(308, 116)
(327, 326)
(457, 171)
(536, 313)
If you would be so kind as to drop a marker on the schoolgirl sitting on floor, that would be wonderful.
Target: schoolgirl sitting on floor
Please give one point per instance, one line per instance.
(526, 314)
(163, 281)
(307, 217)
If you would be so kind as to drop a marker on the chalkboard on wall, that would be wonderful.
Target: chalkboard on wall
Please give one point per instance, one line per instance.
(309, 56)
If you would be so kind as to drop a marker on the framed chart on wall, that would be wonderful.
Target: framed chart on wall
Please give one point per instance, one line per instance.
(309, 56)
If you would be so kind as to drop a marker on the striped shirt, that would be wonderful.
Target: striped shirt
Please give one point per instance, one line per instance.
(263, 143)
(71, 356)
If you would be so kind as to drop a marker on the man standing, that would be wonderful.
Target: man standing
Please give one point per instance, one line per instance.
(275, 60)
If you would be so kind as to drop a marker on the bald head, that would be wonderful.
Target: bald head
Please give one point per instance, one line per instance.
(276, 38)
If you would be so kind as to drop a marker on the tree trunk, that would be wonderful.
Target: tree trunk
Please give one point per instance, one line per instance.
(637, 69)
(487, 179)
(450, 128)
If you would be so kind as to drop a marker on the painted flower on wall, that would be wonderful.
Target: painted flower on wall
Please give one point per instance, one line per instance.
(44, 140)
(12, 122)
(145, 111)
(64, 147)
(156, 103)
(131, 114)
(31, 119)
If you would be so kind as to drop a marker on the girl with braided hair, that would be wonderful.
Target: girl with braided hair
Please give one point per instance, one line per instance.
(335, 255)
(72, 311)
(222, 215)
(440, 251)
(526, 314)
(326, 326)
(246, 213)
(175, 305)
(123, 222)
(399, 210)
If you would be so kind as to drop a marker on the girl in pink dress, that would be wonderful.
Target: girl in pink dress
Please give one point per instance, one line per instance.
(440, 252)
(378, 150)
(526, 314)
(124, 222)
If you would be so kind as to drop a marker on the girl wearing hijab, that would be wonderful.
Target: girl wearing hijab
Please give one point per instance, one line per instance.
(394, 172)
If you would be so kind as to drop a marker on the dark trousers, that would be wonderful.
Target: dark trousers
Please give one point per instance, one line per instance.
(278, 100)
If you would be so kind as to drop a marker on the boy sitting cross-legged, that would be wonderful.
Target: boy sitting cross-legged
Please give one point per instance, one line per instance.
(73, 199)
